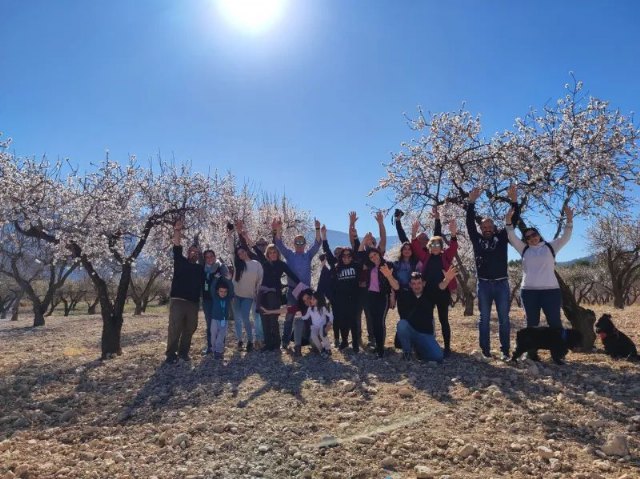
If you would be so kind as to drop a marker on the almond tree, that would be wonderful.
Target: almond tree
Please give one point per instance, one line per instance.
(103, 217)
(616, 239)
(577, 151)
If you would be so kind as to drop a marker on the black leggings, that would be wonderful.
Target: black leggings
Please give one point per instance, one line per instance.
(378, 304)
(270, 326)
(442, 300)
(347, 316)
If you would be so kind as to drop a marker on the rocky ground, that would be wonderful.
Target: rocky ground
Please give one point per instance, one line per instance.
(66, 415)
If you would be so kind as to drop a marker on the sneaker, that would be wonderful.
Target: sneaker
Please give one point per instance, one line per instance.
(185, 357)
(218, 356)
(324, 354)
(206, 351)
(297, 351)
(505, 356)
(533, 357)
(249, 346)
(172, 359)
(487, 354)
(336, 343)
(240, 345)
(343, 345)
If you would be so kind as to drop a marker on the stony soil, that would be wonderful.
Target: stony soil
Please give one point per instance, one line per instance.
(66, 415)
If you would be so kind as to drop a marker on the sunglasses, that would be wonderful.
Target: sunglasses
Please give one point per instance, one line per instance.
(436, 244)
(299, 243)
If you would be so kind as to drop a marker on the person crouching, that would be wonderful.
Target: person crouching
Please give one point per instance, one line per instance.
(321, 321)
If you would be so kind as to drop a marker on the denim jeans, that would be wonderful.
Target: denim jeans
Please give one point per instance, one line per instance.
(297, 325)
(257, 324)
(488, 292)
(549, 300)
(241, 311)
(218, 335)
(425, 344)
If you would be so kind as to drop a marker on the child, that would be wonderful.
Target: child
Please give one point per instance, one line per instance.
(321, 321)
(220, 314)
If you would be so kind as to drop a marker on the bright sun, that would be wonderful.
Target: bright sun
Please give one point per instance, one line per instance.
(252, 16)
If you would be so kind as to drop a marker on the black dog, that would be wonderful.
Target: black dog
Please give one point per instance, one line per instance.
(616, 343)
(558, 341)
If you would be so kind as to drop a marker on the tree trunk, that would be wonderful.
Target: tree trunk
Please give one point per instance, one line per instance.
(111, 335)
(580, 318)
(38, 316)
(618, 298)
(91, 308)
(138, 310)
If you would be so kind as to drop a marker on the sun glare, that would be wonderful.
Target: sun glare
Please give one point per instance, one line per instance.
(252, 16)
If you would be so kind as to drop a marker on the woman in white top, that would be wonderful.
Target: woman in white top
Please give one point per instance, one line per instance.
(321, 321)
(540, 288)
(246, 282)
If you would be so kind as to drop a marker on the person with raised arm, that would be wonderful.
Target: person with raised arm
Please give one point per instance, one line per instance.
(186, 289)
(378, 290)
(346, 272)
(214, 270)
(299, 260)
(540, 289)
(490, 251)
(436, 259)
(270, 290)
(246, 284)
(364, 279)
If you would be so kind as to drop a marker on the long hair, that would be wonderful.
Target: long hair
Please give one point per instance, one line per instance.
(346, 249)
(412, 259)
(239, 265)
(271, 247)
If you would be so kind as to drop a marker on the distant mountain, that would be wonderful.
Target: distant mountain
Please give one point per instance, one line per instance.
(338, 238)
(571, 262)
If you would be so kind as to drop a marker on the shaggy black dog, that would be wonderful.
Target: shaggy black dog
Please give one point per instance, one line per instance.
(558, 341)
(616, 343)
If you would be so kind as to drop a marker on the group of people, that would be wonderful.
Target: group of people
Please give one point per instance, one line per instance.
(357, 279)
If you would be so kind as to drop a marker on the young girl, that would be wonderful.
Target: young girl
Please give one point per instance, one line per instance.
(321, 321)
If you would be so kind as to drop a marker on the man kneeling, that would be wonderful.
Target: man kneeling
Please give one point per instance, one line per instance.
(415, 328)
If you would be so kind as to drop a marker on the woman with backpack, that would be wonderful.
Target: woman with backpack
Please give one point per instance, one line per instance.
(540, 289)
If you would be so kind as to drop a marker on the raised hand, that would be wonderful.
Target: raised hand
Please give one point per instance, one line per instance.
(568, 213)
(353, 217)
(379, 217)
(507, 218)
(323, 232)
(474, 194)
(178, 225)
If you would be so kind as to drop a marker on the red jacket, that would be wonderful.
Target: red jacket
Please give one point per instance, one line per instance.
(447, 257)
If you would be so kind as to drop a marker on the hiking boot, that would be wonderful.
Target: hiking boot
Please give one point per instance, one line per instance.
(249, 346)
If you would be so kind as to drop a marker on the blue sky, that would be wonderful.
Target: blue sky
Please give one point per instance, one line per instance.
(311, 107)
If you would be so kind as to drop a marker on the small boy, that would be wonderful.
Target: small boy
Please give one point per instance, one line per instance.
(220, 314)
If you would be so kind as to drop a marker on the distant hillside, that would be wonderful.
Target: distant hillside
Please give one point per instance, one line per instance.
(338, 238)
(587, 259)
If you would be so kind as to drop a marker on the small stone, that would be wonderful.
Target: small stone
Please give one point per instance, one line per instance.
(405, 392)
(515, 446)
(466, 451)
(263, 448)
(4, 445)
(307, 474)
(424, 472)
(118, 457)
(365, 440)
(635, 419)
(22, 470)
(388, 462)
(547, 417)
(329, 441)
(181, 438)
(442, 442)
(616, 445)
(218, 428)
(545, 452)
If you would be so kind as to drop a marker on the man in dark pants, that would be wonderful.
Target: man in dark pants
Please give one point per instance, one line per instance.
(490, 250)
(186, 288)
